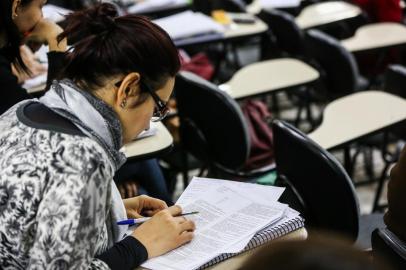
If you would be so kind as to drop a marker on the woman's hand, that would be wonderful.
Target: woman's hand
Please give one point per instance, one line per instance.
(33, 65)
(164, 231)
(128, 188)
(143, 206)
(46, 32)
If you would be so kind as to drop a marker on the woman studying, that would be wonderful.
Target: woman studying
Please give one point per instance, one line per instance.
(59, 207)
(21, 22)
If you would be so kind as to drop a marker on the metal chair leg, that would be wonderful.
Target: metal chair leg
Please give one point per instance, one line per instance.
(379, 190)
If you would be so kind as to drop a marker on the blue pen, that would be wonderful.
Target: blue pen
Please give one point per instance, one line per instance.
(131, 222)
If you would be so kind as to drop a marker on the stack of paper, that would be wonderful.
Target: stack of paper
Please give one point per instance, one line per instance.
(188, 24)
(146, 6)
(280, 3)
(55, 13)
(153, 129)
(230, 214)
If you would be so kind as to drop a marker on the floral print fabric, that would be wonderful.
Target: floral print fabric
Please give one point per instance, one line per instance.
(54, 198)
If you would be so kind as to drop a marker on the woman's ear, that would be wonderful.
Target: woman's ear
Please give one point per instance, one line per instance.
(14, 7)
(129, 88)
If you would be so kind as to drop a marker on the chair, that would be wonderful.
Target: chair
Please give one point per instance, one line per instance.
(387, 245)
(395, 80)
(207, 7)
(213, 128)
(340, 68)
(394, 83)
(319, 186)
(289, 37)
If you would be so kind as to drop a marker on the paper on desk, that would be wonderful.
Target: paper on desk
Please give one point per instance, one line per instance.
(55, 13)
(155, 5)
(280, 3)
(153, 130)
(198, 186)
(225, 218)
(188, 24)
(288, 215)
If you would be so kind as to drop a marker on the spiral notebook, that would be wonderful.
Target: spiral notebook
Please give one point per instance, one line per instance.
(233, 217)
(262, 237)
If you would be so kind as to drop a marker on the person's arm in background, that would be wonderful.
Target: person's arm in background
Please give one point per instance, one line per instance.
(45, 32)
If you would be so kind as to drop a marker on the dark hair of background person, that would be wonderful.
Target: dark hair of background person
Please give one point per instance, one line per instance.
(12, 33)
(321, 253)
(105, 45)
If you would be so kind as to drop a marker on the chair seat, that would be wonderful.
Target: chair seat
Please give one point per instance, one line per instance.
(367, 224)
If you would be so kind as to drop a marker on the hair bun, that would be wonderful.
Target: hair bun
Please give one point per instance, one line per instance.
(101, 18)
(94, 21)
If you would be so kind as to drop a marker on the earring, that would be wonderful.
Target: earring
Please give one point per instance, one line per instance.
(14, 16)
(124, 103)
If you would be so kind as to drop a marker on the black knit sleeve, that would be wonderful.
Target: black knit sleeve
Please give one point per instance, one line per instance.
(55, 65)
(126, 254)
(11, 91)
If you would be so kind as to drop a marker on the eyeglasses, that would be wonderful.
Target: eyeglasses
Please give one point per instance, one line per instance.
(161, 109)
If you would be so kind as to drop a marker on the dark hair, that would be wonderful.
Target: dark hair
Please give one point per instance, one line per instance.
(13, 35)
(317, 253)
(105, 45)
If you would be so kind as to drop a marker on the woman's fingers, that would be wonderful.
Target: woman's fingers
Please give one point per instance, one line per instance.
(175, 210)
(121, 190)
(134, 189)
(129, 190)
(152, 204)
(187, 225)
(186, 237)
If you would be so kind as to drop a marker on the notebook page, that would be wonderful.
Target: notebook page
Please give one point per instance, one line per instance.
(198, 186)
(55, 13)
(225, 218)
(288, 215)
(188, 24)
(254, 191)
(280, 3)
(150, 5)
(149, 132)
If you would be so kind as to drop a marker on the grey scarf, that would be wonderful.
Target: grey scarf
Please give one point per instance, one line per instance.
(99, 122)
(90, 114)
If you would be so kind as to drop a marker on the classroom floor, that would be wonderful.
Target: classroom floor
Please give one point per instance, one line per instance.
(249, 54)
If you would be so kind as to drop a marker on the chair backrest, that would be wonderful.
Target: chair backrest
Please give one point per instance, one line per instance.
(213, 128)
(395, 83)
(339, 66)
(395, 80)
(318, 179)
(207, 6)
(289, 37)
(388, 246)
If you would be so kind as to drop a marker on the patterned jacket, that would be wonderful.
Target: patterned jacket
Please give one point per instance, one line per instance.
(55, 191)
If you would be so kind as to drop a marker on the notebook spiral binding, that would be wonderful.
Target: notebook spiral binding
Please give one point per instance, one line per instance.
(262, 237)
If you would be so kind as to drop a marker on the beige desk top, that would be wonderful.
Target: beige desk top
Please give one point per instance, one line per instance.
(256, 6)
(325, 13)
(357, 115)
(376, 35)
(268, 76)
(240, 29)
(148, 146)
(235, 262)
